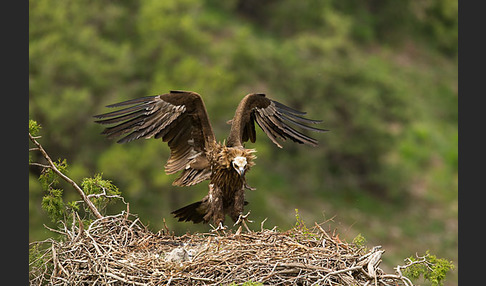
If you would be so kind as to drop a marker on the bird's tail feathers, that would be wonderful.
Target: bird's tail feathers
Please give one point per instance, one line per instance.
(194, 212)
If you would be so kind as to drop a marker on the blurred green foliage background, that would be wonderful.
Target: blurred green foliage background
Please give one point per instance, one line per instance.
(382, 75)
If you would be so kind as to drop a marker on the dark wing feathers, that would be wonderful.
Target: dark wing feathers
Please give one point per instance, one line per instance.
(142, 120)
(301, 124)
(178, 118)
(287, 109)
(274, 118)
(132, 101)
(249, 130)
(271, 132)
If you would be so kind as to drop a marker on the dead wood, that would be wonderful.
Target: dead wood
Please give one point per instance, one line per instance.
(120, 250)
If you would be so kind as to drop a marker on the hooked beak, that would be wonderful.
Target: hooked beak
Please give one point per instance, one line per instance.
(241, 171)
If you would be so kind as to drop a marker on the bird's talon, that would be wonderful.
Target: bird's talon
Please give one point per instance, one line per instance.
(248, 187)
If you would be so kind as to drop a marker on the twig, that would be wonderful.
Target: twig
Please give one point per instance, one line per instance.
(119, 249)
(261, 225)
(109, 274)
(39, 165)
(90, 205)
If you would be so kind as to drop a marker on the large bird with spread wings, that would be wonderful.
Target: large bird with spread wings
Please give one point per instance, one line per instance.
(180, 119)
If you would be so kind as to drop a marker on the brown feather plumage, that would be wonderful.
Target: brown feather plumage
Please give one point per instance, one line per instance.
(180, 119)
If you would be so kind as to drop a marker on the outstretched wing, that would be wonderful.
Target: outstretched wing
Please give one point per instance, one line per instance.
(274, 118)
(179, 118)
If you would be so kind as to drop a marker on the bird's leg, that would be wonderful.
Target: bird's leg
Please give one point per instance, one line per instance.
(216, 207)
(242, 219)
(237, 211)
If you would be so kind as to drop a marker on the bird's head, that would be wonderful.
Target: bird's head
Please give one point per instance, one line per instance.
(240, 159)
(239, 163)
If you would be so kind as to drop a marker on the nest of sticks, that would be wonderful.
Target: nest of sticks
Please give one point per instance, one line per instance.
(120, 250)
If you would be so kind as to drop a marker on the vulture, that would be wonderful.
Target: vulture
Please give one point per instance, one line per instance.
(180, 119)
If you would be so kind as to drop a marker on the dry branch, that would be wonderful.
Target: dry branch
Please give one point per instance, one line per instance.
(120, 250)
(52, 166)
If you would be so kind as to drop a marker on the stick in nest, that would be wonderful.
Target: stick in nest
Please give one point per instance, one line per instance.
(121, 250)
